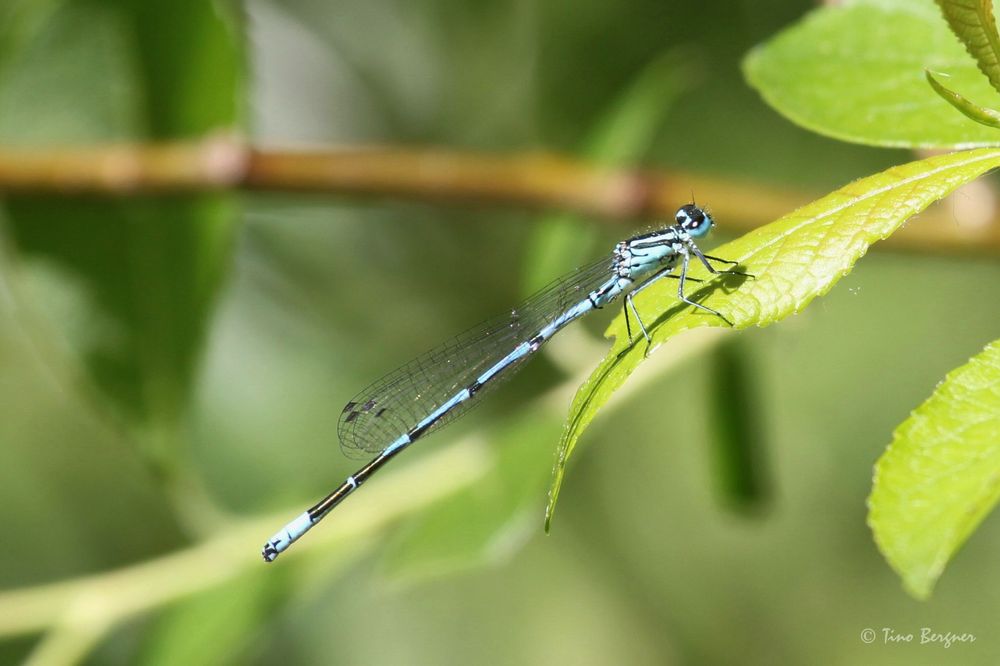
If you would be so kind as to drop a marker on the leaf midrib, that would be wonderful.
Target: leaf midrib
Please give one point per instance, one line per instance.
(781, 236)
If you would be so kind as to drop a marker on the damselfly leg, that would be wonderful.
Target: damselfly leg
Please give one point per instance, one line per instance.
(663, 273)
(682, 279)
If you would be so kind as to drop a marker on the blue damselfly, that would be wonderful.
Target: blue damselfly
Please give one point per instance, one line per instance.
(442, 384)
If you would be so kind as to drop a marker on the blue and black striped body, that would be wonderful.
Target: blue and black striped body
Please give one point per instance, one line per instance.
(444, 383)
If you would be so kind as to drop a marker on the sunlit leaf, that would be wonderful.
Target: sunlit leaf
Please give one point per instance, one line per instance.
(980, 114)
(795, 259)
(973, 22)
(856, 73)
(940, 475)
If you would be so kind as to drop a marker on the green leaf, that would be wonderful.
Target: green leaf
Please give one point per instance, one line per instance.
(19, 22)
(738, 445)
(972, 21)
(84, 91)
(856, 73)
(980, 114)
(940, 475)
(149, 269)
(627, 129)
(795, 259)
(190, 65)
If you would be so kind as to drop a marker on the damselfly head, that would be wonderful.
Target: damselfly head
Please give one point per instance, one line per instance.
(694, 220)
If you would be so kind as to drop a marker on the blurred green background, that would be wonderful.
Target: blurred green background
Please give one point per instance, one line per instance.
(173, 369)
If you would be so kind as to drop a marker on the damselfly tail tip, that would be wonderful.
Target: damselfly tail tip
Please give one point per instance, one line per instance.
(286, 536)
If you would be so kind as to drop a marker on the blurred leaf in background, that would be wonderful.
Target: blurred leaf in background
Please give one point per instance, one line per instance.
(150, 269)
(113, 298)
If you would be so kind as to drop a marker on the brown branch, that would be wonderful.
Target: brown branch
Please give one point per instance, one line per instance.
(540, 181)
(125, 170)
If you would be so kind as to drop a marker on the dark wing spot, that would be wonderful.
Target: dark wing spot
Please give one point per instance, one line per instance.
(351, 417)
(349, 406)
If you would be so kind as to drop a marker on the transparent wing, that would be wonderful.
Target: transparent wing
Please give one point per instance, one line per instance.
(394, 404)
